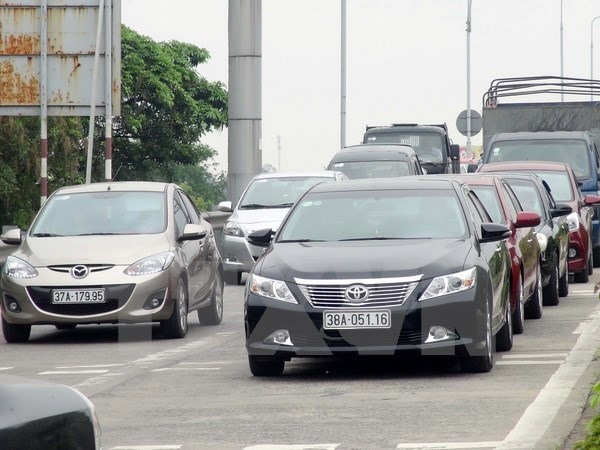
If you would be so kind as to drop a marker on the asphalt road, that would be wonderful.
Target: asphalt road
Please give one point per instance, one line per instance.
(198, 393)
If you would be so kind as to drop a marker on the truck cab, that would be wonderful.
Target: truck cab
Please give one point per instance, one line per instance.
(430, 142)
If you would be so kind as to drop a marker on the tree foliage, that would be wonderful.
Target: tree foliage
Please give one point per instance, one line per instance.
(167, 106)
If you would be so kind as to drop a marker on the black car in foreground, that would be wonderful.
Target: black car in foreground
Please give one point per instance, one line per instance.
(376, 267)
(41, 416)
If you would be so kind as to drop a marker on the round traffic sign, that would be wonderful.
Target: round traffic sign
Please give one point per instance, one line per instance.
(476, 122)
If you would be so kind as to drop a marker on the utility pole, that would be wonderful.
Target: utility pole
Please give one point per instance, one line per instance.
(278, 153)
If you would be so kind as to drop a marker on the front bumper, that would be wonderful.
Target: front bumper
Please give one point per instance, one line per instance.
(238, 254)
(578, 244)
(125, 298)
(463, 314)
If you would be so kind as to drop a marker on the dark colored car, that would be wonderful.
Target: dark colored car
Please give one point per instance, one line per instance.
(553, 232)
(376, 161)
(379, 267)
(40, 416)
(565, 189)
(523, 246)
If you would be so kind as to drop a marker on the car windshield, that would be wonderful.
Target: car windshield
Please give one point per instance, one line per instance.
(277, 192)
(489, 197)
(107, 212)
(528, 195)
(428, 146)
(571, 151)
(372, 215)
(560, 185)
(372, 169)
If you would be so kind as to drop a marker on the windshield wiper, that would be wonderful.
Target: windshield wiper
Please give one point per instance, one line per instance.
(379, 238)
(300, 240)
(253, 206)
(97, 234)
(282, 205)
(46, 235)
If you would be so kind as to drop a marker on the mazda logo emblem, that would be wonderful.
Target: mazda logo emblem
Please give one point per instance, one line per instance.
(357, 293)
(79, 272)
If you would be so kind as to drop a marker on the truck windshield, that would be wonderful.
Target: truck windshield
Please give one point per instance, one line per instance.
(428, 146)
(372, 169)
(570, 151)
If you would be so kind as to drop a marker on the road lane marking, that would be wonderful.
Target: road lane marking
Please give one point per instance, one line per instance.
(204, 363)
(538, 417)
(72, 372)
(535, 355)
(160, 356)
(165, 369)
(533, 363)
(449, 445)
(97, 366)
(6, 368)
(293, 447)
(146, 447)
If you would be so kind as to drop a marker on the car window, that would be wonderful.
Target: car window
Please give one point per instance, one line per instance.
(512, 203)
(373, 169)
(479, 213)
(106, 212)
(192, 211)
(560, 185)
(180, 215)
(389, 214)
(528, 195)
(489, 197)
(277, 192)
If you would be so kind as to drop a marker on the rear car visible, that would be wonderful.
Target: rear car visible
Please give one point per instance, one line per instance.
(264, 203)
(126, 252)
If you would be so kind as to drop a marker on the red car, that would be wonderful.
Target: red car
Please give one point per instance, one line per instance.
(565, 189)
(526, 277)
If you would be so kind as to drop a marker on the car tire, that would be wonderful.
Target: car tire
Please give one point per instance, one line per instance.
(563, 284)
(233, 277)
(213, 314)
(518, 317)
(481, 363)
(535, 305)
(551, 289)
(583, 276)
(596, 256)
(266, 366)
(504, 337)
(176, 326)
(15, 333)
(65, 326)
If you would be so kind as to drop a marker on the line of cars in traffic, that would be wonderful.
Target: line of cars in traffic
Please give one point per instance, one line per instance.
(436, 264)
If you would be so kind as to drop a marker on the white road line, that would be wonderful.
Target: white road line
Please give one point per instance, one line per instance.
(533, 363)
(540, 414)
(97, 380)
(204, 363)
(590, 292)
(72, 372)
(293, 447)
(165, 369)
(98, 366)
(146, 447)
(225, 333)
(173, 352)
(449, 445)
(535, 355)
(6, 368)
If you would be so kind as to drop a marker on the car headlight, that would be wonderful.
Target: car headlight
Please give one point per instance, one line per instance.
(233, 229)
(449, 284)
(275, 289)
(151, 264)
(17, 268)
(573, 221)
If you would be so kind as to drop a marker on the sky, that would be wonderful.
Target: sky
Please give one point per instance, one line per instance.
(406, 61)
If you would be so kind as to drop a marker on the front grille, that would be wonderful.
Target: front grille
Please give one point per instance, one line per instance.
(383, 292)
(92, 267)
(116, 296)
(359, 338)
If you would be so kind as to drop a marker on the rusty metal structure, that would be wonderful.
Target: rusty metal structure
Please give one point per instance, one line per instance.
(50, 53)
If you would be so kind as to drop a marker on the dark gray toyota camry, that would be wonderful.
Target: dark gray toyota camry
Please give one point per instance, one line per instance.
(378, 267)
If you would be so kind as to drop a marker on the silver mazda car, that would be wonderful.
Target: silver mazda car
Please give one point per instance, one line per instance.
(125, 252)
(264, 204)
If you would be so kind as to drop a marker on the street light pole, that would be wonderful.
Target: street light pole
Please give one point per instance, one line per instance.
(469, 78)
(562, 87)
(592, 58)
(343, 76)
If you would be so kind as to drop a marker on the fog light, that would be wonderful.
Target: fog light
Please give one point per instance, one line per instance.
(14, 307)
(156, 300)
(572, 253)
(437, 334)
(280, 337)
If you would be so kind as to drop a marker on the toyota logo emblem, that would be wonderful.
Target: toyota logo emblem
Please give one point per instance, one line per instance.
(357, 293)
(79, 272)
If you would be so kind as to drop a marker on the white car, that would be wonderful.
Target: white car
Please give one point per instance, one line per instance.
(264, 203)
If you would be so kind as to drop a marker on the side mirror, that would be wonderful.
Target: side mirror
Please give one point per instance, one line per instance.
(193, 232)
(454, 151)
(526, 219)
(261, 238)
(225, 206)
(12, 237)
(561, 210)
(471, 168)
(492, 232)
(591, 199)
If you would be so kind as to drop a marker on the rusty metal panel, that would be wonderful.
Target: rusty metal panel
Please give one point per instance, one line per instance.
(71, 47)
